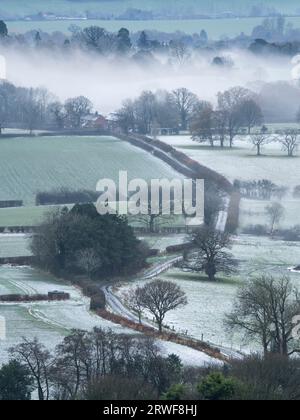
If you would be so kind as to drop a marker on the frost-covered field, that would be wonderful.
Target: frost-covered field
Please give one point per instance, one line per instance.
(14, 245)
(50, 322)
(29, 165)
(253, 212)
(209, 302)
(162, 242)
(242, 163)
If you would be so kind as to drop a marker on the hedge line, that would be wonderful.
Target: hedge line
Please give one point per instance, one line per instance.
(192, 169)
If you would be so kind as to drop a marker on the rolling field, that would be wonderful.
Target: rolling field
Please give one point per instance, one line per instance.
(242, 163)
(30, 165)
(209, 302)
(50, 322)
(14, 245)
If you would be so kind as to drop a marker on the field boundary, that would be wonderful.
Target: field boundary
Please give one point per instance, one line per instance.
(165, 336)
(186, 166)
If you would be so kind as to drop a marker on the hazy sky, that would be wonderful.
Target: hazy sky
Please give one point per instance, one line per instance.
(118, 6)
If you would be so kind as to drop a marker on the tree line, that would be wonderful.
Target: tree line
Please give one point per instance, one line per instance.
(182, 110)
(33, 108)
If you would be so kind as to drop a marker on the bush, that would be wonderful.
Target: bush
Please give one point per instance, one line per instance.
(98, 301)
(216, 387)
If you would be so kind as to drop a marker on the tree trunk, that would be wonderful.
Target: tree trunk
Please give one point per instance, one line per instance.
(258, 150)
(211, 272)
(152, 224)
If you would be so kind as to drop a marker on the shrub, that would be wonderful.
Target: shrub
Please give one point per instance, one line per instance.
(216, 387)
(98, 301)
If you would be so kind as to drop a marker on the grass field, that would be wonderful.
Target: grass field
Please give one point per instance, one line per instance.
(16, 245)
(30, 165)
(50, 322)
(209, 302)
(242, 163)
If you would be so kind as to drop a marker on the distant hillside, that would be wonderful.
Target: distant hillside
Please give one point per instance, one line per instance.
(21, 8)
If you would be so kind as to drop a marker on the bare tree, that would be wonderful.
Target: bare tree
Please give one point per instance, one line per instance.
(145, 111)
(34, 356)
(265, 310)
(56, 110)
(89, 260)
(220, 119)
(229, 103)
(275, 214)
(210, 254)
(134, 302)
(259, 140)
(203, 124)
(76, 109)
(185, 102)
(160, 297)
(290, 141)
(251, 114)
(179, 52)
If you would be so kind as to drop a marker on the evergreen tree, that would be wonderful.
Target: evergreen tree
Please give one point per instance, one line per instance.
(15, 382)
(3, 29)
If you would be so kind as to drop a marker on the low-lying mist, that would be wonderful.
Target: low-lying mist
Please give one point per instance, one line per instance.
(107, 82)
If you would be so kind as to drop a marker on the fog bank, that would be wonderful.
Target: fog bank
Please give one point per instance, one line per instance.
(108, 82)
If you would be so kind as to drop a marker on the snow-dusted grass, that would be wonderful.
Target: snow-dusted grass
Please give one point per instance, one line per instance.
(208, 303)
(188, 356)
(49, 321)
(162, 242)
(242, 163)
(29, 165)
(14, 245)
(253, 212)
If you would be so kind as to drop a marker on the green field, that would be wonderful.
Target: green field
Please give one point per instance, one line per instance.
(30, 165)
